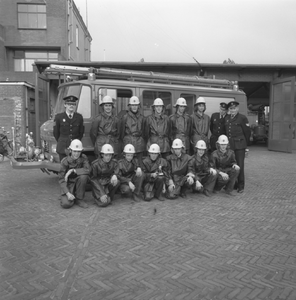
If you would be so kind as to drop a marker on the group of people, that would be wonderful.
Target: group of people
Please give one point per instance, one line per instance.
(180, 155)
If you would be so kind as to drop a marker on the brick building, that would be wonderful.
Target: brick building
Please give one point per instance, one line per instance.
(31, 31)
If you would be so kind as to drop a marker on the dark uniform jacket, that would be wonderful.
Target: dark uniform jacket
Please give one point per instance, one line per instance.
(105, 130)
(65, 130)
(150, 166)
(179, 167)
(238, 131)
(81, 166)
(103, 171)
(157, 131)
(200, 127)
(181, 126)
(199, 166)
(126, 170)
(131, 130)
(217, 127)
(222, 161)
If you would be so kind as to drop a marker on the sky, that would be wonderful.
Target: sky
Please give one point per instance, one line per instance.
(180, 31)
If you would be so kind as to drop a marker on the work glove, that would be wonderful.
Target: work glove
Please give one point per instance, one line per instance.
(131, 186)
(139, 172)
(114, 180)
(190, 180)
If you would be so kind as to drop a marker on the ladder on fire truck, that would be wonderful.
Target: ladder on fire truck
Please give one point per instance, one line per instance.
(143, 76)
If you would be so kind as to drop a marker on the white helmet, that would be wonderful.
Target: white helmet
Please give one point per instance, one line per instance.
(154, 148)
(107, 149)
(76, 145)
(107, 99)
(200, 100)
(201, 145)
(134, 100)
(157, 101)
(181, 102)
(129, 148)
(223, 140)
(177, 143)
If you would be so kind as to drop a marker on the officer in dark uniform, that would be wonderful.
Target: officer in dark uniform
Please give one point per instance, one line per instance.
(238, 132)
(68, 126)
(217, 125)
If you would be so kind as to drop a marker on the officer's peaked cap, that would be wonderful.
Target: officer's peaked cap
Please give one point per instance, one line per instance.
(223, 105)
(232, 103)
(70, 98)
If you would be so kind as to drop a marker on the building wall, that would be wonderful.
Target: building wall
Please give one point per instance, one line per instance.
(55, 37)
(13, 110)
(58, 36)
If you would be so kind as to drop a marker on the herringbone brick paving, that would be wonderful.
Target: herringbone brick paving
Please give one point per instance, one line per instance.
(196, 248)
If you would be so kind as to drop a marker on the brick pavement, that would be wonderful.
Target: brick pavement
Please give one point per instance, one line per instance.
(199, 248)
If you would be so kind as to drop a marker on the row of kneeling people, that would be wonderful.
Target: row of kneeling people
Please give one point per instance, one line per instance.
(154, 176)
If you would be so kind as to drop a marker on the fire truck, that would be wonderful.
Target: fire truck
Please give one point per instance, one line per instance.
(121, 84)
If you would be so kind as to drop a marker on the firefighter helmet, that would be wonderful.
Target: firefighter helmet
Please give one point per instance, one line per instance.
(223, 140)
(157, 101)
(181, 102)
(200, 100)
(154, 148)
(177, 143)
(134, 100)
(107, 100)
(201, 145)
(107, 149)
(129, 148)
(76, 145)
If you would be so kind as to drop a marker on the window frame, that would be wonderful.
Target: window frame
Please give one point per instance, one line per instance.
(41, 16)
(25, 60)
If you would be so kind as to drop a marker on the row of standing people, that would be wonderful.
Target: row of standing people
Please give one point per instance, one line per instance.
(133, 128)
(157, 177)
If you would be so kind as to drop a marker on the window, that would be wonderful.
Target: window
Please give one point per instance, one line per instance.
(84, 104)
(23, 60)
(190, 100)
(120, 98)
(77, 37)
(213, 103)
(65, 91)
(150, 96)
(31, 16)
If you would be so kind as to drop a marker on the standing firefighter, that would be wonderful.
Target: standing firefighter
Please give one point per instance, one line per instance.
(156, 174)
(130, 173)
(68, 126)
(104, 182)
(204, 176)
(157, 128)
(132, 127)
(181, 177)
(105, 128)
(217, 124)
(181, 124)
(223, 160)
(73, 176)
(200, 122)
(238, 132)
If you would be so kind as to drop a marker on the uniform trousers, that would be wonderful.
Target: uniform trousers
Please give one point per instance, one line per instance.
(99, 190)
(76, 187)
(137, 181)
(153, 188)
(240, 159)
(229, 183)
